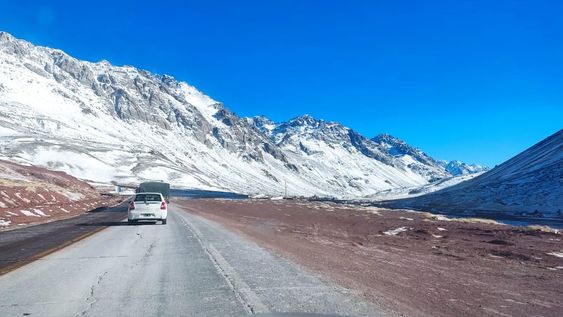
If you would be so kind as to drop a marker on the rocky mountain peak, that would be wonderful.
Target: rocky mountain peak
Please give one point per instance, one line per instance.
(387, 139)
(262, 123)
(305, 120)
(5, 36)
(397, 147)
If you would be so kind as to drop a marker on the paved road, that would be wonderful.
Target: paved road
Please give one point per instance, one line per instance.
(21, 246)
(189, 267)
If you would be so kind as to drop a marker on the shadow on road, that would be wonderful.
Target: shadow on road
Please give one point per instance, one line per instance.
(120, 208)
(116, 224)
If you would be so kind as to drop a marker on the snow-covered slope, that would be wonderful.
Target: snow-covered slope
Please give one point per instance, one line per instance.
(529, 184)
(407, 192)
(106, 123)
(416, 159)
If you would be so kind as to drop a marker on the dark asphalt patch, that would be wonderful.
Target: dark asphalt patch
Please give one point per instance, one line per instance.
(22, 246)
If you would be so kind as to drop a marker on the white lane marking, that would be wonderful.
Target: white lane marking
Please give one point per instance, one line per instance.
(249, 299)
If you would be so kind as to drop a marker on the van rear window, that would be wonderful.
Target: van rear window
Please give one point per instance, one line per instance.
(148, 197)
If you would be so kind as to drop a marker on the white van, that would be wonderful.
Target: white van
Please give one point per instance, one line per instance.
(147, 206)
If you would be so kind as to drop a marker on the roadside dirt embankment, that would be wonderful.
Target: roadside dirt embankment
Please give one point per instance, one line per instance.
(30, 195)
(418, 264)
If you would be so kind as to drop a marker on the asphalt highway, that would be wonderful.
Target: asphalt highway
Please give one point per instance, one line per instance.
(189, 267)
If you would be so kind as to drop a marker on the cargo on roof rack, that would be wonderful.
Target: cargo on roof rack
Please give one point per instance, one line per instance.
(155, 187)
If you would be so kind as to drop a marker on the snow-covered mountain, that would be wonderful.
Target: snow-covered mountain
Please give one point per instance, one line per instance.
(351, 159)
(529, 184)
(460, 168)
(399, 148)
(102, 123)
(107, 123)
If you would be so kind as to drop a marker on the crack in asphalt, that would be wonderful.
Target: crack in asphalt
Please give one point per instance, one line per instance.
(244, 294)
(91, 300)
(146, 255)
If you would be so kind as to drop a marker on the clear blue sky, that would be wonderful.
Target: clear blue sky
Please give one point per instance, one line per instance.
(477, 81)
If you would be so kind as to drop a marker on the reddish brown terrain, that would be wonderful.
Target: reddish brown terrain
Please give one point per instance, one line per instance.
(416, 264)
(30, 195)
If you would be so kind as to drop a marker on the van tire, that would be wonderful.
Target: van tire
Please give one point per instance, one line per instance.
(163, 221)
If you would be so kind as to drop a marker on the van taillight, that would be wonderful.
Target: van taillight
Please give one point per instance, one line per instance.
(163, 205)
(132, 205)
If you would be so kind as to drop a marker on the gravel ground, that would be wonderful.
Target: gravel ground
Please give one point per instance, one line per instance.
(412, 263)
